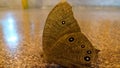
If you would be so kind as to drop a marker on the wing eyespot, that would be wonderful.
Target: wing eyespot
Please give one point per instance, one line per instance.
(89, 52)
(87, 58)
(82, 46)
(63, 22)
(71, 39)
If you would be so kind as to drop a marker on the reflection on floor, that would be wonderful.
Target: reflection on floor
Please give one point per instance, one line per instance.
(21, 36)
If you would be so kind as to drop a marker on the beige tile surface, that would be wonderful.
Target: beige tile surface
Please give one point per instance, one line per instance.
(21, 36)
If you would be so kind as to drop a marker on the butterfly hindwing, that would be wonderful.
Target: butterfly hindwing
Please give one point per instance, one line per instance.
(72, 49)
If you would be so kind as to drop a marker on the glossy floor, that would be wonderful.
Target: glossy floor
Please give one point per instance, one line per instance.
(21, 36)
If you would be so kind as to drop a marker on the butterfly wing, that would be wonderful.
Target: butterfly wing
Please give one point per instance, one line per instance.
(60, 21)
(63, 42)
(72, 49)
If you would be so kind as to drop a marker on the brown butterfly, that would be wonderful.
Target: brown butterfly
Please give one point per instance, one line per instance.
(63, 41)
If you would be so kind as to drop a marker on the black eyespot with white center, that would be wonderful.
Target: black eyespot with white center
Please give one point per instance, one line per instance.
(89, 52)
(71, 39)
(63, 22)
(82, 46)
(87, 58)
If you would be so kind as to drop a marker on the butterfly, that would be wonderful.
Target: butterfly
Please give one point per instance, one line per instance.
(63, 41)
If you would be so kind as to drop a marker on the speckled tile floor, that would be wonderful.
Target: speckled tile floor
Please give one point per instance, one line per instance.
(21, 36)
